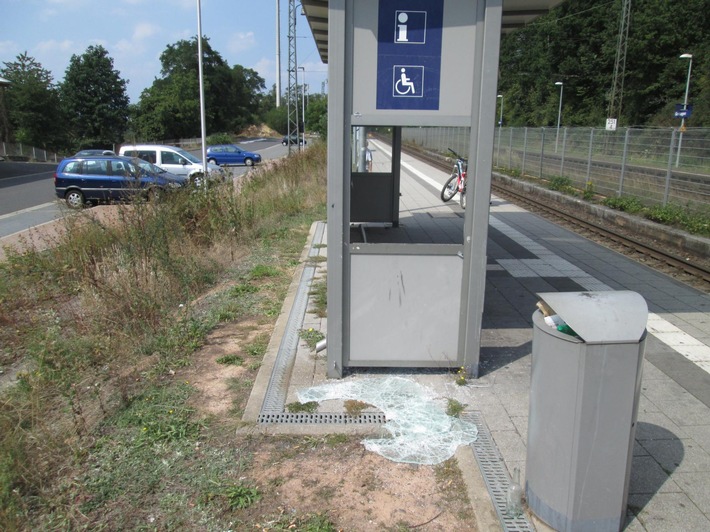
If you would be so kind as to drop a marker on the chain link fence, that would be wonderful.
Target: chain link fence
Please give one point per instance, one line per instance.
(655, 166)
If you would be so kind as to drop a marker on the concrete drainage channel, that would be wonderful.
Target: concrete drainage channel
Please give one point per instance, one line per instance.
(494, 475)
(272, 411)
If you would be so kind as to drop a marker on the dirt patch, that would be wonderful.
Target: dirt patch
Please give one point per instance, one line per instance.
(260, 130)
(331, 475)
(222, 362)
(360, 490)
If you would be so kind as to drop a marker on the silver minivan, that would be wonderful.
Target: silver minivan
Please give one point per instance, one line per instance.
(173, 159)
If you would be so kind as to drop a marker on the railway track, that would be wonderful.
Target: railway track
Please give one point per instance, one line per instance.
(606, 233)
(603, 233)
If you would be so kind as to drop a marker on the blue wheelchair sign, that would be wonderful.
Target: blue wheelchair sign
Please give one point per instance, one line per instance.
(409, 34)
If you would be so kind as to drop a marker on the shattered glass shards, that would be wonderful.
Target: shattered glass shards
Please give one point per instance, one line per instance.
(421, 430)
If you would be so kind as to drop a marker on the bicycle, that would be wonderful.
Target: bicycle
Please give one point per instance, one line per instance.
(457, 181)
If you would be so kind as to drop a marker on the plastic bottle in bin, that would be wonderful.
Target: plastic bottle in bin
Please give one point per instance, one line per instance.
(566, 329)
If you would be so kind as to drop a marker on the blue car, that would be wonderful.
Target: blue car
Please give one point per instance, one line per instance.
(226, 154)
(82, 180)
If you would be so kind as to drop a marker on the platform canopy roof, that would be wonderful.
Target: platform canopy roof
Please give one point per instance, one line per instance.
(516, 14)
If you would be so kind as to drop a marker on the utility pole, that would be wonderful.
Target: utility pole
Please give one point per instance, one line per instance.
(303, 101)
(203, 122)
(278, 53)
(292, 76)
(617, 85)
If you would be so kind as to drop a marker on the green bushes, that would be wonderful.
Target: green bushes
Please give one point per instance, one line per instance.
(220, 138)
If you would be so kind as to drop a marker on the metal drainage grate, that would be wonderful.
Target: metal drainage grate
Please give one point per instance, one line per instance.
(277, 389)
(323, 418)
(495, 474)
(272, 410)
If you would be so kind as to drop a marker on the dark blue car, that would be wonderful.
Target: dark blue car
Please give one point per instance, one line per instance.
(227, 154)
(82, 180)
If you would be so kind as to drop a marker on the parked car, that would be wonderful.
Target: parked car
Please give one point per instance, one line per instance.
(226, 154)
(151, 169)
(100, 178)
(174, 160)
(88, 153)
(293, 139)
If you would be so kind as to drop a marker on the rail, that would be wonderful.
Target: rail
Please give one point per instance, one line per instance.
(684, 264)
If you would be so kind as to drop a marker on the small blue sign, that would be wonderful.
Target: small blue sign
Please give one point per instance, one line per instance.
(683, 111)
(409, 36)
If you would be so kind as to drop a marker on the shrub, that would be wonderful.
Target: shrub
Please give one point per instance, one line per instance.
(561, 184)
(624, 204)
(220, 138)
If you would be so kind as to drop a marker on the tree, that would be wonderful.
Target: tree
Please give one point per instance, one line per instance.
(95, 99)
(248, 89)
(576, 43)
(170, 108)
(317, 114)
(32, 103)
(277, 119)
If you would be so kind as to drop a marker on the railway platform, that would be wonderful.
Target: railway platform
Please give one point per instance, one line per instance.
(527, 255)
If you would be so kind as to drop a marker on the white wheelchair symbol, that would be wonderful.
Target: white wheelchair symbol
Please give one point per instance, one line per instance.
(404, 85)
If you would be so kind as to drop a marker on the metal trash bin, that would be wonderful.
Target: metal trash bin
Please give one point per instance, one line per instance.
(584, 395)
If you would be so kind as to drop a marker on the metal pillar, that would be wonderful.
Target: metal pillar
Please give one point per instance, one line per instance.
(278, 53)
(489, 16)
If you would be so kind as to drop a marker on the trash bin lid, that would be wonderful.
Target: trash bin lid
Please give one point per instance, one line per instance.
(601, 317)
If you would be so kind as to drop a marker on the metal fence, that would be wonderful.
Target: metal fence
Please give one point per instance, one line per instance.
(656, 166)
(22, 152)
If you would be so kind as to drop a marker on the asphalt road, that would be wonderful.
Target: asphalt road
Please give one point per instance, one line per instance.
(27, 197)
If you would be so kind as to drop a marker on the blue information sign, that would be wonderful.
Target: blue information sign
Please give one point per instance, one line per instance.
(683, 111)
(409, 54)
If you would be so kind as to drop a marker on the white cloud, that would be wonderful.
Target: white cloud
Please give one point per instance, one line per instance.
(145, 30)
(267, 70)
(48, 14)
(240, 42)
(129, 47)
(9, 48)
(52, 46)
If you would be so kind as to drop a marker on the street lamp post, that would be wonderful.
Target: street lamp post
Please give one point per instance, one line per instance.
(500, 119)
(303, 103)
(685, 106)
(559, 115)
(500, 132)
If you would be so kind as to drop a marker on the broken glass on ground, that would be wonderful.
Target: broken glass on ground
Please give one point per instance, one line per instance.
(421, 430)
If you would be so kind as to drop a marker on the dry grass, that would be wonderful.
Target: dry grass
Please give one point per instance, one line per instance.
(103, 319)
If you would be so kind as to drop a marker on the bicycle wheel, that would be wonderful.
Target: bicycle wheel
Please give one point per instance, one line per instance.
(462, 197)
(450, 188)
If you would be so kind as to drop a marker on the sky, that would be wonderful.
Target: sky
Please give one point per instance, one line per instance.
(136, 32)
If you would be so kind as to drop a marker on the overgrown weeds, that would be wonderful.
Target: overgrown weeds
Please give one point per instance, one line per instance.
(674, 215)
(697, 223)
(103, 320)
